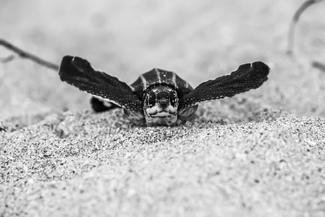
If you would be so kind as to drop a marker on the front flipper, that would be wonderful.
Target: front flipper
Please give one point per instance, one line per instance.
(79, 73)
(247, 76)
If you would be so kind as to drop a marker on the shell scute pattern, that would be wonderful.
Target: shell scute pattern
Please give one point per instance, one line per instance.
(157, 77)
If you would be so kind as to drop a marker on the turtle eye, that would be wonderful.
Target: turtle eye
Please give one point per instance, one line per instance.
(151, 100)
(173, 98)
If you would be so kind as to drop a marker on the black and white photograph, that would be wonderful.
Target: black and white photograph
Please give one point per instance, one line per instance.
(168, 108)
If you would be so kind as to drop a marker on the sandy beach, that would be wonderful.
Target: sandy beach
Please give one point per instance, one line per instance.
(260, 153)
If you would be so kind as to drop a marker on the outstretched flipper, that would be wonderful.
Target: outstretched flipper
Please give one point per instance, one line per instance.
(247, 76)
(79, 73)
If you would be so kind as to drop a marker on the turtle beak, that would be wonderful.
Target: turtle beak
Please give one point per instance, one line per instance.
(163, 102)
(166, 107)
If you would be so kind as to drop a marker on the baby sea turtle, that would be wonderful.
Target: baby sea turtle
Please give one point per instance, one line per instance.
(158, 97)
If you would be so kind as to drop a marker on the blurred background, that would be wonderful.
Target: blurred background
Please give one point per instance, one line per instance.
(199, 40)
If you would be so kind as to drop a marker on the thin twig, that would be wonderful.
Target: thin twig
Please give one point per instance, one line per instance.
(294, 21)
(319, 66)
(27, 55)
(7, 59)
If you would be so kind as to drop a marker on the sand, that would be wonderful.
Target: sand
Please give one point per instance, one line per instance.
(84, 164)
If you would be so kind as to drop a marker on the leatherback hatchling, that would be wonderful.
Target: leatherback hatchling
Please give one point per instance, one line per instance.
(158, 97)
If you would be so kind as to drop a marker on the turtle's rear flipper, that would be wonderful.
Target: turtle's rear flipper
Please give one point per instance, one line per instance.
(246, 77)
(79, 73)
(99, 105)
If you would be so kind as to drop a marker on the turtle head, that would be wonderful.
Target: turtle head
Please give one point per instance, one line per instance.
(160, 105)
